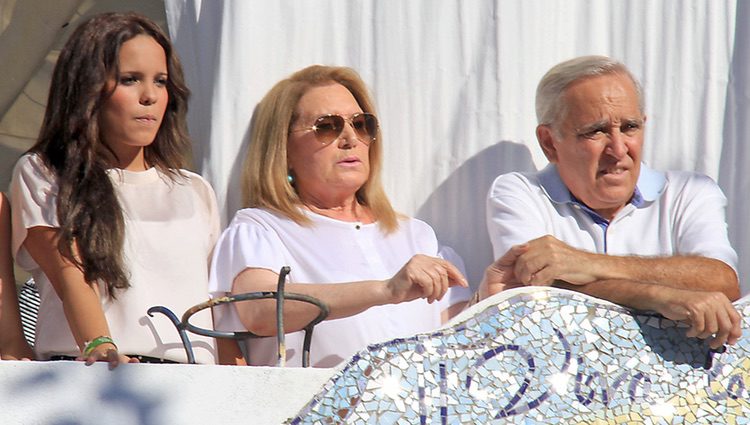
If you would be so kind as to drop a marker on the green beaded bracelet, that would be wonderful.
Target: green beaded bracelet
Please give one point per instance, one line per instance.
(90, 346)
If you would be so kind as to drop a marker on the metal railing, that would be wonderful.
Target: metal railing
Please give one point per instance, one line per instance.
(184, 326)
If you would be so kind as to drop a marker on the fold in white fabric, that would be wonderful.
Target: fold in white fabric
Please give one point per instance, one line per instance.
(455, 81)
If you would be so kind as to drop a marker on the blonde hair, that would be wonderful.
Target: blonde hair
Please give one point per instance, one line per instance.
(264, 174)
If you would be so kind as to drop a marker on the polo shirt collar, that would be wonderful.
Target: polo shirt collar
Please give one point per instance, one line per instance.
(650, 186)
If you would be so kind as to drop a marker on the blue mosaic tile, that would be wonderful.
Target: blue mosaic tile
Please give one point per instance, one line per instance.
(543, 357)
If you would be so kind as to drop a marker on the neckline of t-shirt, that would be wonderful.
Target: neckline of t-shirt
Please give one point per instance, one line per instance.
(356, 224)
(135, 177)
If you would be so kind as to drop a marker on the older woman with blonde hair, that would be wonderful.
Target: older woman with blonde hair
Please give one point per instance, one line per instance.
(315, 202)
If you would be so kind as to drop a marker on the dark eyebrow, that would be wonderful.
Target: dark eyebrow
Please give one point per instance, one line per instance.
(139, 73)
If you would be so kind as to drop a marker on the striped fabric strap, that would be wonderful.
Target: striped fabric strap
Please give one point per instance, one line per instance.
(29, 301)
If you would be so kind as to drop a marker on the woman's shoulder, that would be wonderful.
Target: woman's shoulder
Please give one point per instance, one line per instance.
(415, 226)
(252, 225)
(194, 178)
(31, 170)
(413, 222)
(195, 182)
(258, 216)
(30, 162)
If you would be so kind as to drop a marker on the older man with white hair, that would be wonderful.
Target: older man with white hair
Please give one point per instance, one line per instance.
(599, 221)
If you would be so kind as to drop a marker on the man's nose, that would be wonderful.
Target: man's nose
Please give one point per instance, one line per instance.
(617, 146)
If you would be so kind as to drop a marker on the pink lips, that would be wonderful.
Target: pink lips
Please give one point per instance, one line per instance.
(146, 118)
(349, 160)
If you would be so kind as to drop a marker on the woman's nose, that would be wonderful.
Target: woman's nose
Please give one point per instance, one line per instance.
(348, 136)
(148, 95)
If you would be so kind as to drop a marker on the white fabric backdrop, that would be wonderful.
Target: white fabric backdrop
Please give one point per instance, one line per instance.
(454, 83)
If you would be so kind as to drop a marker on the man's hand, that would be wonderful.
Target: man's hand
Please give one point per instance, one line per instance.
(540, 262)
(500, 275)
(547, 259)
(709, 314)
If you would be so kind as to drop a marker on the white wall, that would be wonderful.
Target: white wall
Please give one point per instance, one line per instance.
(56, 393)
(454, 82)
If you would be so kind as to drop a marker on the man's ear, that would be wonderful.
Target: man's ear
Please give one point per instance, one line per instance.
(545, 136)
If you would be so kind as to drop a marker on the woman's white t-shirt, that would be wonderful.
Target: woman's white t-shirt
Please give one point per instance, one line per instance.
(328, 251)
(170, 229)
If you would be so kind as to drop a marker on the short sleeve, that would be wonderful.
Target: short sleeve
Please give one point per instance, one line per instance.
(33, 198)
(700, 225)
(213, 215)
(243, 245)
(208, 197)
(513, 215)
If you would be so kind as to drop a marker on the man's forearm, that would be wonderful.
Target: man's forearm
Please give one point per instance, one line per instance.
(683, 272)
(636, 295)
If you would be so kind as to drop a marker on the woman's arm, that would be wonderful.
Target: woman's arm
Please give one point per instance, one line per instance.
(229, 352)
(421, 277)
(13, 345)
(81, 301)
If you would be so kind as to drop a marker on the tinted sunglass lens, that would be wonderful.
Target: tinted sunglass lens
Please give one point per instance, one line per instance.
(366, 126)
(328, 128)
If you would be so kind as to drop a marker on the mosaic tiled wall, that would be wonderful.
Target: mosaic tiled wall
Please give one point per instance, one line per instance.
(543, 357)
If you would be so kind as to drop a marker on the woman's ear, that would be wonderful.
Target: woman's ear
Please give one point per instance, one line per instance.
(546, 138)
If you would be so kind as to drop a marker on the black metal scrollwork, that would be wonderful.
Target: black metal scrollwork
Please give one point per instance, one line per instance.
(184, 325)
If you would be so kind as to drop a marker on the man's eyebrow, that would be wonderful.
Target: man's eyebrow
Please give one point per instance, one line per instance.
(635, 120)
(596, 125)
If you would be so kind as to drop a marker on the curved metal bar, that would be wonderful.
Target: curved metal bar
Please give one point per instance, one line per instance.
(308, 338)
(248, 296)
(240, 335)
(280, 335)
(180, 329)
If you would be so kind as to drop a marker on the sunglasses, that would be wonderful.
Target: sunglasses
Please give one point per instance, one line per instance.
(328, 128)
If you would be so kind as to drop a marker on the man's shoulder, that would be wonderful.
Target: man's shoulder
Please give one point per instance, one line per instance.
(518, 179)
(681, 186)
(654, 184)
(680, 179)
(542, 184)
(688, 176)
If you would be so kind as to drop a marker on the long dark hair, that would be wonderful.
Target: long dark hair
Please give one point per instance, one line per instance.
(91, 222)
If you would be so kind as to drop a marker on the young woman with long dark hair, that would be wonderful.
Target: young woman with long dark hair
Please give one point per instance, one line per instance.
(105, 217)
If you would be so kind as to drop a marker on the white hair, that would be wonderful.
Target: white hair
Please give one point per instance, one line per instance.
(549, 92)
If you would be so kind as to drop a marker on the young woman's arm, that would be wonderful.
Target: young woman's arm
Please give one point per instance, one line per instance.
(13, 345)
(81, 301)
